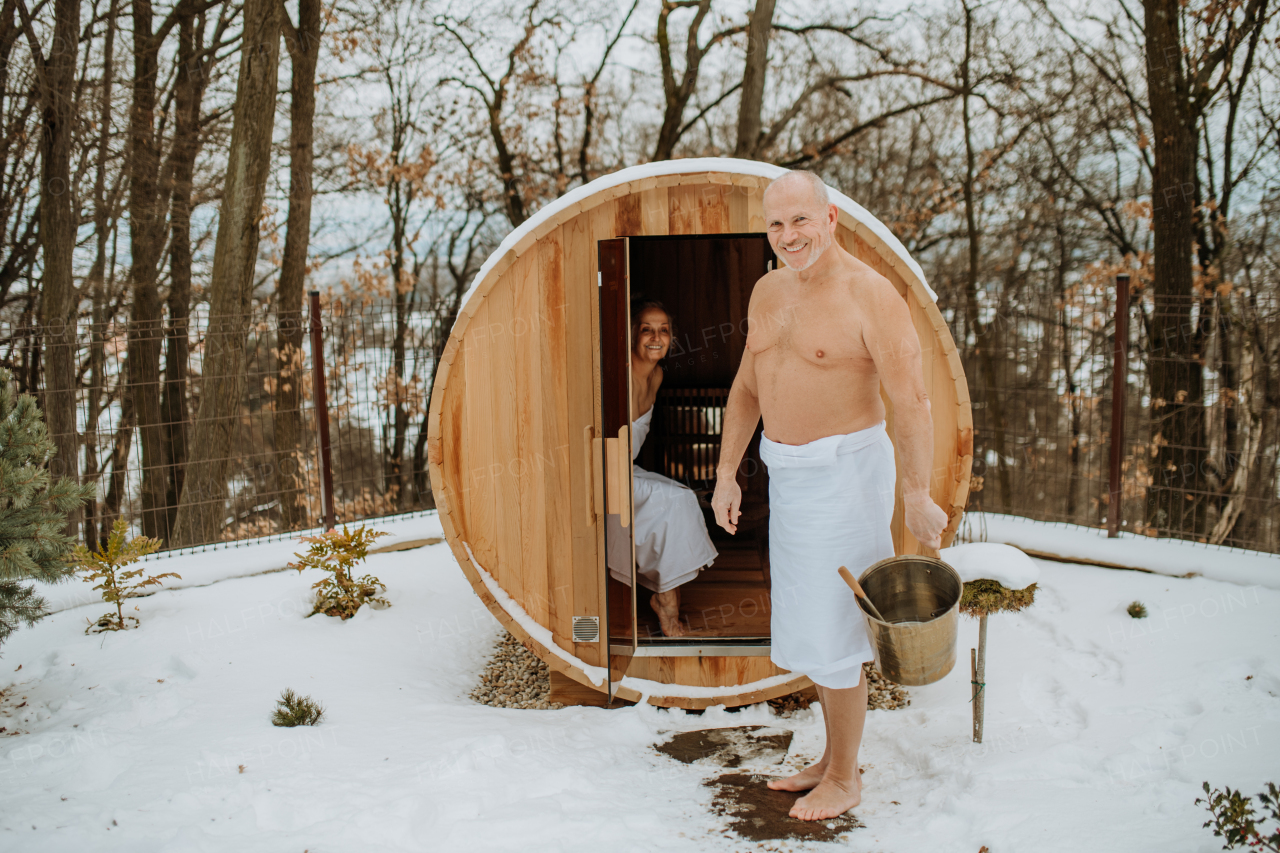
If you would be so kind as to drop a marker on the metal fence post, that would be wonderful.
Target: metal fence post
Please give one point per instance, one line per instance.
(1119, 385)
(322, 410)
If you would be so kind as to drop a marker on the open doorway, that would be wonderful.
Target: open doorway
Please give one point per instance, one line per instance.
(705, 283)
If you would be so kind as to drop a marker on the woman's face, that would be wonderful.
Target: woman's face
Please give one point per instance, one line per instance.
(653, 336)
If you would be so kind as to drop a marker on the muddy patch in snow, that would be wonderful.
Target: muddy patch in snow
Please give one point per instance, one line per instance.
(729, 747)
(757, 813)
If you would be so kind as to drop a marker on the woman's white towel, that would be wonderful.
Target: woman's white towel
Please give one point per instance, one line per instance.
(672, 544)
(830, 505)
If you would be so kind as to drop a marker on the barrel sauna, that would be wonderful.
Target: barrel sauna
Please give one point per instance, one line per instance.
(529, 433)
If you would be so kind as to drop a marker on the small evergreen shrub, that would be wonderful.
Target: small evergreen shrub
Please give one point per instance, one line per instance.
(33, 510)
(984, 597)
(342, 594)
(107, 567)
(294, 710)
(1234, 818)
(1137, 610)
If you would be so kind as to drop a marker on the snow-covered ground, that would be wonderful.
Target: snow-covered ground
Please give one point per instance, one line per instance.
(1100, 728)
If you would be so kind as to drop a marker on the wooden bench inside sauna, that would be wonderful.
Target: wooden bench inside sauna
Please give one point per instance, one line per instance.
(529, 440)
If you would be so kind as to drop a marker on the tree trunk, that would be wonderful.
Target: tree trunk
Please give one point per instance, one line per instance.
(146, 230)
(984, 338)
(119, 466)
(1249, 401)
(202, 509)
(393, 444)
(58, 225)
(188, 93)
(95, 283)
(1177, 413)
(676, 95)
(753, 74)
(303, 42)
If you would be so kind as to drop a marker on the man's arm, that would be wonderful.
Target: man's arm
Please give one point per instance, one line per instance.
(891, 338)
(741, 414)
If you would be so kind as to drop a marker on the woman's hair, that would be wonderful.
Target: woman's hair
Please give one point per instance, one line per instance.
(641, 304)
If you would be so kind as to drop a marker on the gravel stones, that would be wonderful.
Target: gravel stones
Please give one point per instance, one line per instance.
(882, 695)
(515, 678)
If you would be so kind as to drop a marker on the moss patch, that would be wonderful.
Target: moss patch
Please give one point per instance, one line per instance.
(984, 597)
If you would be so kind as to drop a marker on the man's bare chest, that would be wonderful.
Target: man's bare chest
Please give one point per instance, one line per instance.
(822, 332)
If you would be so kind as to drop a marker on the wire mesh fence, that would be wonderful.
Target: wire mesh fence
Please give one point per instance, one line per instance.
(1200, 402)
(194, 433)
(235, 438)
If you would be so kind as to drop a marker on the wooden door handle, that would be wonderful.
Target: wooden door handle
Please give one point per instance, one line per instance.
(624, 474)
(610, 475)
(589, 471)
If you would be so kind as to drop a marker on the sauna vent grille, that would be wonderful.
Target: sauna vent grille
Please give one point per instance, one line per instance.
(586, 629)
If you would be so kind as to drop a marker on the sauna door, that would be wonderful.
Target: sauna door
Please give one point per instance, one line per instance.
(615, 423)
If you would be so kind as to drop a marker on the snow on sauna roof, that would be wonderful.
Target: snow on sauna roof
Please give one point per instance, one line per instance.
(684, 167)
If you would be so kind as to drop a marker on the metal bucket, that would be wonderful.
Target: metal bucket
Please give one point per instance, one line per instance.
(920, 599)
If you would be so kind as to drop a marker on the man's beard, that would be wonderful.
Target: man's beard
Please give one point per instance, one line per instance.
(815, 252)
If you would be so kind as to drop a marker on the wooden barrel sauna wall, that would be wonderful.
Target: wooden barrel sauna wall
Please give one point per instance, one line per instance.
(516, 404)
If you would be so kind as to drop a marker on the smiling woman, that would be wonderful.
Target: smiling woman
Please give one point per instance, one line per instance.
(531, 435)
(671, 542)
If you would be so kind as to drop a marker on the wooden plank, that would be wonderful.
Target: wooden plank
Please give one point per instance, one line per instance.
(755, 210)
(454, 434)
(480, 497)
(566, 691)
(521, 247)
(737, 199)
(654, 211)
(627, 212)
(527, 471)
(579, 274)
(694, 178)
(579, 283)
(501, 368)
(683, 206)
(556, 467)
(713, 208)
(727, 671)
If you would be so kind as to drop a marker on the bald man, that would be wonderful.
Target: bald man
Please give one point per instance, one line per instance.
(825, 331)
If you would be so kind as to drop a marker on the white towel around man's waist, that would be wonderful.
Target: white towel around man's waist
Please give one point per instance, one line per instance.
(830, 505)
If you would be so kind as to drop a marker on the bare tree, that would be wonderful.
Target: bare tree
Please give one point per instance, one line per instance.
(200, 513)
(750, 131)
(195, 63)
(494, 91)
(56, 77)
(303, 42)
(676, 93)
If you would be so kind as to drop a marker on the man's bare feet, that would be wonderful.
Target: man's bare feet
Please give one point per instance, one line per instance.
(667, 606)
(806, 780)
(830, 799)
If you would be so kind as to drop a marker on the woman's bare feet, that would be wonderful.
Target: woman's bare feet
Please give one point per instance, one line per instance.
(831, 798)
(806, 780)
(667, 606)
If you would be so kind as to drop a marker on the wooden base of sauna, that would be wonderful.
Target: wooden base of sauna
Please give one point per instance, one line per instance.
(566, 691)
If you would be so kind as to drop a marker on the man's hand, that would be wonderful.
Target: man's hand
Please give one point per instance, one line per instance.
(925, 519)
(726, 502)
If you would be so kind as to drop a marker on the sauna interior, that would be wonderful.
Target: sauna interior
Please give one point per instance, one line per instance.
(705, 282)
